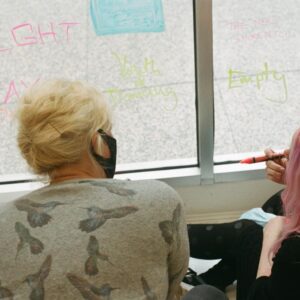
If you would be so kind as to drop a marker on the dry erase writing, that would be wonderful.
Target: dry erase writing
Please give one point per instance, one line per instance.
(138, 72)
(6, 114)
(266, 35)
(136, 75)
(29, 34)
(166, 93)
(265, 80)
(12, 91)
(249, 23)
(256, 29)
(119, 16)
(14, 88)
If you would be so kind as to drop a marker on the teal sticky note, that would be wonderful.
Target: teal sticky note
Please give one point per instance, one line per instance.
(127, 16)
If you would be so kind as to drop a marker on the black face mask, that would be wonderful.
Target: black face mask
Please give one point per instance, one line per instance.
(108, 164)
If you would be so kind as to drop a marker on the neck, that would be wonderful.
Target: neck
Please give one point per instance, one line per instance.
(85, 168)
(77, 175)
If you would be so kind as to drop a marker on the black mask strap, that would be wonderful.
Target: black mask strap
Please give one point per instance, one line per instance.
(108, 164)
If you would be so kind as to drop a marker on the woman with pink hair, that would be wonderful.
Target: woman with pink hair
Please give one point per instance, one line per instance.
(247, 250)
(278, 274)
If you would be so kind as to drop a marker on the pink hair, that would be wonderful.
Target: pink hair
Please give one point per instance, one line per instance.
(291, 195)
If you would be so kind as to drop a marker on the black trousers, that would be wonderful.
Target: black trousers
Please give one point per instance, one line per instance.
(238, 245)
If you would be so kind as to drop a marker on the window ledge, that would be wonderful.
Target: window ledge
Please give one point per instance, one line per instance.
(182, 177)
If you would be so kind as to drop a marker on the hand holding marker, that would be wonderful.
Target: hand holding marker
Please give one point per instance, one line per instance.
(252, 160)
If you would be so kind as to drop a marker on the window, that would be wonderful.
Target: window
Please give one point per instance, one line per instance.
(148, 77)
(256, 58)
(245, 63)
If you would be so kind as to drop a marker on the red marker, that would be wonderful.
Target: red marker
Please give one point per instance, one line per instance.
(258, 159)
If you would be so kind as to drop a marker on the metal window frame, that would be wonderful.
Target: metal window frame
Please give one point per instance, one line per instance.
(204, 87)
(210, 173)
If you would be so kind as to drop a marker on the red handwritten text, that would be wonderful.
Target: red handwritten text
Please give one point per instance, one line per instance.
(14, 88)
(27, 34)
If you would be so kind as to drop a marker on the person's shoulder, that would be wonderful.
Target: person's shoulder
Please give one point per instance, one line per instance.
(293, 241)
(36, 192)
(155, 190)
(290, 249)
(155, 185)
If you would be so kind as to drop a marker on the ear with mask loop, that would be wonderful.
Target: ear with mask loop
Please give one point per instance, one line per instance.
(108, 164)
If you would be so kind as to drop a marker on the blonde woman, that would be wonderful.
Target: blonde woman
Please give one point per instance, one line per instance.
(85, 235)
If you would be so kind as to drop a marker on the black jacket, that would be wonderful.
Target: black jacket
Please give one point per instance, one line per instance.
(284, 281)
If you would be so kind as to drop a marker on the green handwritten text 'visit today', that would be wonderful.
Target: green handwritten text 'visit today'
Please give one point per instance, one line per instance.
(136, 75)
(167, 94)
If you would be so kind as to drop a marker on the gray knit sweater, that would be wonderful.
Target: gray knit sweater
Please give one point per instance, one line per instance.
(93, 239)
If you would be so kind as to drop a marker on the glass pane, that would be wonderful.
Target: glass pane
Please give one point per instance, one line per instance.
(141, 56)
(256, 59)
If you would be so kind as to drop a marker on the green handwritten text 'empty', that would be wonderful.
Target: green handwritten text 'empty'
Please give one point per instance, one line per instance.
(260, 80)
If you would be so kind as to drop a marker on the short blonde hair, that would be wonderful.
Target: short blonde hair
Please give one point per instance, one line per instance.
(57, 120)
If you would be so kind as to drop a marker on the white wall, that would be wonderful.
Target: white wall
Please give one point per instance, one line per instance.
(227, 197)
